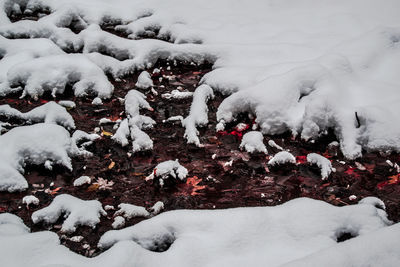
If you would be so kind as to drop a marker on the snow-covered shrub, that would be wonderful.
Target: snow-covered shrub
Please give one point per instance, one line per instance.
(168, 169)
(282, 157)
(77, 212)
(144, 80)
(253, 142)
(47, 74)
(50, 112)
(36, 144)
(198, 115)
(131, 127)
(323, 163)
(130, 211)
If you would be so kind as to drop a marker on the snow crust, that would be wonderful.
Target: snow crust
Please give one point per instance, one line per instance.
(198, 115)
(282, 157)
(36, 144)
(253, 142)
(323, 163)
(77, 212)
(51, 112)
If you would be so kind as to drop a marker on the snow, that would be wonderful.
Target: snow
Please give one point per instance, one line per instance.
(144, 80)
(167, 169)
(67, 104)
(130, 211)
(134, 123)
(176, 94)
(157, 208)
(323, 163)
(118, 222)
(301, 232)
(51, 112)
(77, 212)
(198, 114)
(253, 142)
(272, 143)
(30, 200)
(82, 180)
(47, 74)
(97, 101)
(35, 144)
(282, 157)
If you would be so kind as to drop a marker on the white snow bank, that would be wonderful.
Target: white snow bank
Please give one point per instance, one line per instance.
(301, 232)
(323, 163)
(132, 126)
(50, 112)
(36, 144)
(282, 157)
(76, 212)
(47, 74)
(253, 142)
(198, 115)
(167, 169)
(144, 81)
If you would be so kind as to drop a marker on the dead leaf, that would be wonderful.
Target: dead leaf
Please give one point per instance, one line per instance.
(93, 187)
(112, 164)
(105, 133)
(55, 191)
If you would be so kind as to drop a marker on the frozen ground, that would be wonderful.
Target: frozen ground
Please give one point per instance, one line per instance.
(298, 70)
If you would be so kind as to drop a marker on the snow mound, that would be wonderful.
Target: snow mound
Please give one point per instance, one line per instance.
(119, 222)
(167, 169)
(47, 74)
(50, 112)
(198, 115)
(323, 163)
(36, 144)
(253, 142)
(157, 208)
(282, 157)
(129, 211)
(77, 212)
(283, 233)
(82, 180)
(30, 200)
(132, 126)
(144, 81)
(176, 94)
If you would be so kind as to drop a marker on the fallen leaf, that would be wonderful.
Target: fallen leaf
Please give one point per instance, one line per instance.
(191, 187)
(93, 187)
(55, 191)
(395, 179)
(112, 164)
(105, 133)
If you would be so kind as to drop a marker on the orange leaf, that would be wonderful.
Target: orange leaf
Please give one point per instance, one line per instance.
(93, 187)
(55, 191)
(112, 164)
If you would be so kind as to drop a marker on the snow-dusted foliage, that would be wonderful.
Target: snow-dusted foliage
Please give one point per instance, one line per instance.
(282, 157)
(323, 163)
(144, 80)
(76, 212)
(50, 112)
(35, 144)
(131, 127)
(198, 115)
(130, 211)
(253, 142)
(47, 74)
(168, 169)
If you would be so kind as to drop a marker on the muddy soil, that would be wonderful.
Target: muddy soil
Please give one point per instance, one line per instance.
(212, 183)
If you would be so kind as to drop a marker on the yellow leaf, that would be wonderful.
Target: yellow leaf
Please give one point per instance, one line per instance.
(112, 164)
(105, 133)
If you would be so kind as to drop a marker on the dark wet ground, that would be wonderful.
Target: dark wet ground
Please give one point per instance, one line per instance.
(211, 185)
